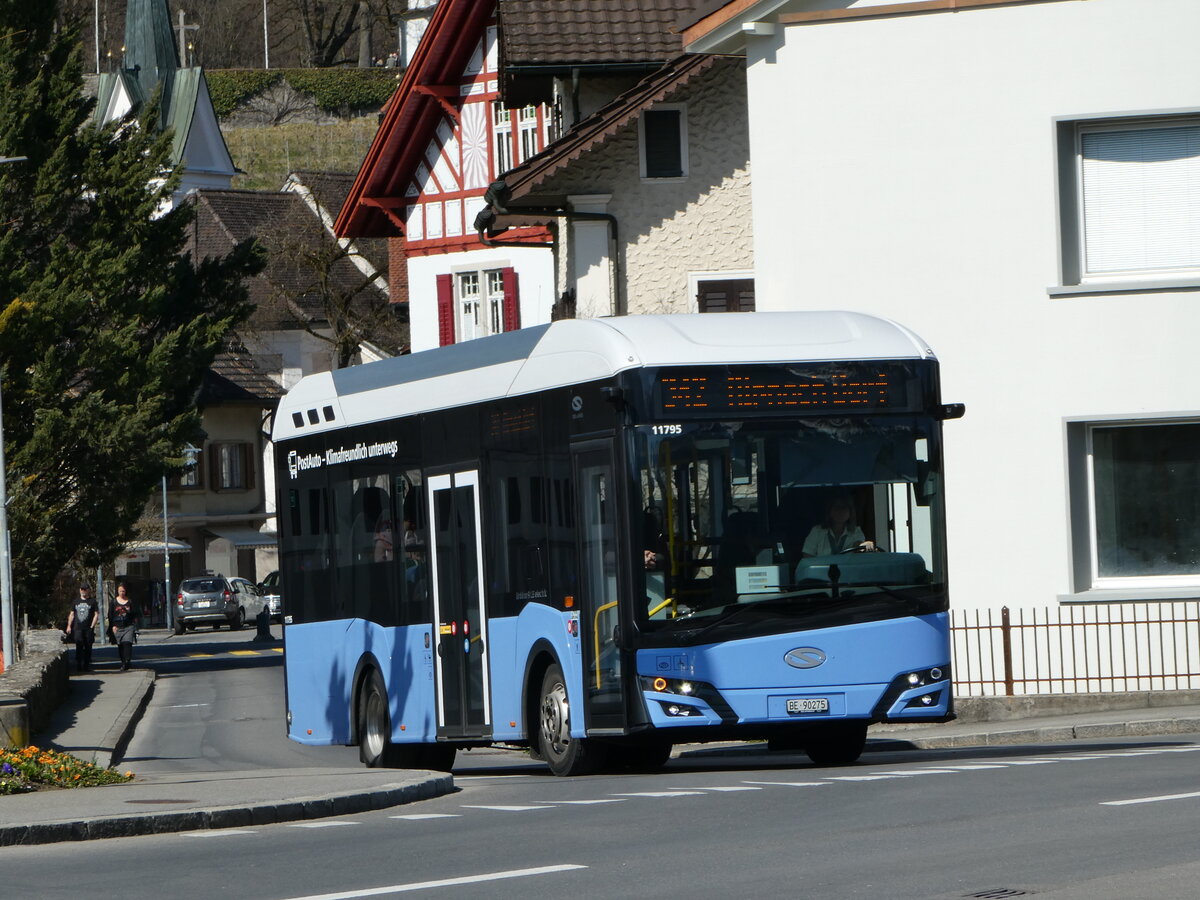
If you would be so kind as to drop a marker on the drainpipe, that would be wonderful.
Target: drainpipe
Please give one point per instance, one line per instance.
(496, 203)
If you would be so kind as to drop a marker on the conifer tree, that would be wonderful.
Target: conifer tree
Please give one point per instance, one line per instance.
(106, 328)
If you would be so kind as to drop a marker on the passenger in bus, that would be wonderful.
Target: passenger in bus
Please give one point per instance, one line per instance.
(655, 554)
(838, 532)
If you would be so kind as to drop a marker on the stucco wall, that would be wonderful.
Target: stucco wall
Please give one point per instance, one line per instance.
(670, 228)
(907, 167)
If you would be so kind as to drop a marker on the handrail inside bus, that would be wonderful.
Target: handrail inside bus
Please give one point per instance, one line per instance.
(596, 637)
(670, 601)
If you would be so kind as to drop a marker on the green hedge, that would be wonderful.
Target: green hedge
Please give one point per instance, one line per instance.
(337, 91)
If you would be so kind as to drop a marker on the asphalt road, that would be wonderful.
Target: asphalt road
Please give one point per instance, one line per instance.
(1109, 819)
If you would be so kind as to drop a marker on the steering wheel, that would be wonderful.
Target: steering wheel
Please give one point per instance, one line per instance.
(859, 548)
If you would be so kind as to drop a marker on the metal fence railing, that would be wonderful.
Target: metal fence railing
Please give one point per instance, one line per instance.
(1076, 649)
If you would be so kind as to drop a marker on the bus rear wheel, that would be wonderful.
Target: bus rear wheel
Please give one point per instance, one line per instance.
(375, 747)
(564, 754)
(836, 744)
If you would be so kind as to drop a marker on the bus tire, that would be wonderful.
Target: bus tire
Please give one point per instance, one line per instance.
(564, 754)
(375, 747)
(837, 744)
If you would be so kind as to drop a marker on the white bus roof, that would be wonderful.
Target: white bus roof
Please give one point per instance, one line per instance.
(575, 351)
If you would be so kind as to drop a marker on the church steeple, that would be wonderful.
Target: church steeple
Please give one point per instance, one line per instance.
(150, 45)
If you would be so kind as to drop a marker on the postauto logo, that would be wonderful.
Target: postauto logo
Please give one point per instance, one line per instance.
(298, 463)
(804, 657)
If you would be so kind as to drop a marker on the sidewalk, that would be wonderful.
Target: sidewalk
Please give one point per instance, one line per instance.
(98, 718)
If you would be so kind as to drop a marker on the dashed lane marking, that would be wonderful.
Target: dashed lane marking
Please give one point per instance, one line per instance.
(509, 808)
(792, 783)
(412, 817)
(441, 882)
(731, 788)
(1151, 799)
(662, 795)
(321, 824)
(878, 777)
(224, 832)
(586, 802)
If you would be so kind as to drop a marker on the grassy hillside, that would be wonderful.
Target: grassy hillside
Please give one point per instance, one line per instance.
(267, 155)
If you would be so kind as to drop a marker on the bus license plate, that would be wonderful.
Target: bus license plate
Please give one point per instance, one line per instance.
(808, 705)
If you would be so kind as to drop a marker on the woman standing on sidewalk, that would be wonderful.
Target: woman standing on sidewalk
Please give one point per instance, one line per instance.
(122, 625)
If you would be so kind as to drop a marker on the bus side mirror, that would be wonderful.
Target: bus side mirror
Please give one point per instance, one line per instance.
(952, 411)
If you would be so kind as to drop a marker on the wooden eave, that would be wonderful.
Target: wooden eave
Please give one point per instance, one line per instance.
(411, 118)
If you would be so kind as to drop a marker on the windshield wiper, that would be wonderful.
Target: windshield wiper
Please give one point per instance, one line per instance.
(908, 600)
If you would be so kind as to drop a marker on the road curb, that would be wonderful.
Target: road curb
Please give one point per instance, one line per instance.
(297, 809)
(119, 735)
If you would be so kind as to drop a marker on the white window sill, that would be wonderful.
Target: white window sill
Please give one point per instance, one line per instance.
(1132, 286)
(1132, 595)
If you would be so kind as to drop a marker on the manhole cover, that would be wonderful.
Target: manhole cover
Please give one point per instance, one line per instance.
(168, 801)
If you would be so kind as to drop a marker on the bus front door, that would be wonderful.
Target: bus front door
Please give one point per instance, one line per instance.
(599, 556)
(460, 628)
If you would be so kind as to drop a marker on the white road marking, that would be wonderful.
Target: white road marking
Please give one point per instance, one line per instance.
(1079, 758)
(509, 808)
(442, 882)
(415, 816)
(1029, 762)
(864, 777)
(186, 705)
(730, 788)
(506, 778)
(587, 802)
(1136, 753)
(662, 794)
(1151, 799)
(223, 832)
(972, 767)
(907, 772)
(321, 824)
(792, 783)
(1180, 749)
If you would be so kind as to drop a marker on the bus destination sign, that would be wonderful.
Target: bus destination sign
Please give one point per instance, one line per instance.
(720, 391)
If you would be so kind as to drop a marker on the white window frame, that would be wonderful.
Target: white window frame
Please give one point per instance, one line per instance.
(502, 145)
(683, 143)
(1123, 582)
(527, 124)
(1075, 276)
(480, 311)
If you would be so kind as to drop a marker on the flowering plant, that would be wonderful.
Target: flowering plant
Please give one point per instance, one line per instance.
(31, 768)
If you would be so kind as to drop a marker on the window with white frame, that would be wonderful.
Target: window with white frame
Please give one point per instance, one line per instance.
(1144, 503)
(1131, 204)
(662, 142)
(528, 125)
(232, 466)
(502, 138)
(481, 303)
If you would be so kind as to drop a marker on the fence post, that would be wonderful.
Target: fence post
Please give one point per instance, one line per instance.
(1006, 638)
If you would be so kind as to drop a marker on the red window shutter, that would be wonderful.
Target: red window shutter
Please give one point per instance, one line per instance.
(445, 301)
(512, 300)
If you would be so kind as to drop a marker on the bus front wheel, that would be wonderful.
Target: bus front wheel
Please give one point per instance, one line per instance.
(564, 754)
(836, 744)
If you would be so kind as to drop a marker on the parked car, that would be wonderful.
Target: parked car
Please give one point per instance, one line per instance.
(213, 600)
(269, 588)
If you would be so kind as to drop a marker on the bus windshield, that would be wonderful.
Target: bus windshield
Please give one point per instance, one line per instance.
(758, 527)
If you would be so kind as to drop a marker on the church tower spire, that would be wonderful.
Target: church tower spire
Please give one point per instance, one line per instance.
(150, 45)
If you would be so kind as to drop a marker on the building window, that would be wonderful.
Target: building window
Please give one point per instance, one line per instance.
(730, 295)
(232, 466)
(1131, 199)
(662, 138)
(190, 478)
(487, 303)
(502, 139)
(527, 121)
(1143, 509)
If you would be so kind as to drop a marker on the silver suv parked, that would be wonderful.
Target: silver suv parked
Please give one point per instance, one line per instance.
(213, 600)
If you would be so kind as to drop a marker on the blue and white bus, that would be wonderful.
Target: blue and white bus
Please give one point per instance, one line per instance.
(600, 538)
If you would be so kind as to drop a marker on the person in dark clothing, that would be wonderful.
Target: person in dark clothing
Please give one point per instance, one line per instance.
(123, 622)
(81, 627)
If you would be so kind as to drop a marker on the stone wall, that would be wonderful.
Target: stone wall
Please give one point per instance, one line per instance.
(32, 688)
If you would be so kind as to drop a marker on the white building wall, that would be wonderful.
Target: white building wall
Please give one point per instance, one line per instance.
(534, 266)
(906, 167)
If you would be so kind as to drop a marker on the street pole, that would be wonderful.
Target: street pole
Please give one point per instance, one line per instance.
(167, 560)
(6, 600)
(266, 40)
